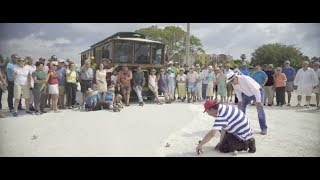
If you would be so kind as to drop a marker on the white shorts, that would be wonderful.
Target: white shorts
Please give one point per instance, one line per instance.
(304, 90)
(53, 89)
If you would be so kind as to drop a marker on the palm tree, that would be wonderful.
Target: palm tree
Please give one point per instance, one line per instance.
(243, 57)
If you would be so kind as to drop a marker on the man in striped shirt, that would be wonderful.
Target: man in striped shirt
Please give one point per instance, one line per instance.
(233, 125)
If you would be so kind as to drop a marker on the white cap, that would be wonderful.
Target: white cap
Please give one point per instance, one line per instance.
(170, 62)
(230, 76)
(60, 60)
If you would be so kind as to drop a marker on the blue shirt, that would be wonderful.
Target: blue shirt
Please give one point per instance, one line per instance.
(259, 77)
(289, 72)
(90, 99)
(244, 71)
(62, 75)
(170, 78)
(10, 68)
(109, 96)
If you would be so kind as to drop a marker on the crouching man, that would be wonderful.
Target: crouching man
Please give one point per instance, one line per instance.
(234, 126)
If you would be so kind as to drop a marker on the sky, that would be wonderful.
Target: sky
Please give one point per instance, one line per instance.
(68, 40)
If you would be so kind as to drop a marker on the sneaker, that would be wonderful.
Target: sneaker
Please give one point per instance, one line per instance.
(298, 105)
(43, 111)
(307, 106)
(263, 132)
(29, 112)
(15, 114)
(288, 104)
(37, 113)
(70, 107)
(32, 109)
(252, 145)
(11, 110)
(21, 109)
(140, 104)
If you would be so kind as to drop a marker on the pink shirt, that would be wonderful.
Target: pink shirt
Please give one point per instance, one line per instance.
(53, 79)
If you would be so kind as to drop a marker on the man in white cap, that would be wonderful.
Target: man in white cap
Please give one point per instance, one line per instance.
(247, 89)
(306, 79)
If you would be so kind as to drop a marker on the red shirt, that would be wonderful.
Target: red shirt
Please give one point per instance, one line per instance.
(53, 79)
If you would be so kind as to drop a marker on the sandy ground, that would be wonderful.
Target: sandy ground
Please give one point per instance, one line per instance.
(144, 131)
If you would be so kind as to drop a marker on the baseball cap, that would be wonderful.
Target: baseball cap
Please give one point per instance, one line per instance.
(208, 104)
(60, 60)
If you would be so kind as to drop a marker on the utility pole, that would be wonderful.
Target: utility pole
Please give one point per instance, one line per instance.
(188, 44)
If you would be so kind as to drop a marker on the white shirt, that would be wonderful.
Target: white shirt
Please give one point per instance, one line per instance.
(306, 78)
(204, 74)
(152, 80)
(234, 121)
(22, 75)
(114, 79)
(318, 75)
(45, 69)
(31, 70)
(247, 86)
(182, 78)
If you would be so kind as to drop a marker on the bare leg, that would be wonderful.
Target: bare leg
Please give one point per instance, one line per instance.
(16, 103)
(299, 100)
(317, 98)
(289, 97)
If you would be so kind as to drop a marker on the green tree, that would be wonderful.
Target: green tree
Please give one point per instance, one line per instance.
(175, 39)
(1, 59)
(243, 57)
(276, 54)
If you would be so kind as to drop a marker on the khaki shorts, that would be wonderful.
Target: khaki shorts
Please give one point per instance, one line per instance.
(126, 89)
(62, 90)
(21, 89)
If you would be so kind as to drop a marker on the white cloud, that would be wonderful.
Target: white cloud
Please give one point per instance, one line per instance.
(68, 40)
(37, 47)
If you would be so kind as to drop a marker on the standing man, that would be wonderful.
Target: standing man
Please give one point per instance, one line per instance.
(269, 85)
(86, 77)
(138, 82)
(21, 75)
(259, 76)
(62, 81)
(198, 83)
(32, 68)
(191, 83)
(124, 80)
(306, 79)
(316, 90)
(205, 81)
(236, 133)
(247, 90)
(290, 74)
(10, 67)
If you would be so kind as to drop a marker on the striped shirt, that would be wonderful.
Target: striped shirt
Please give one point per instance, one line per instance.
(234, 121)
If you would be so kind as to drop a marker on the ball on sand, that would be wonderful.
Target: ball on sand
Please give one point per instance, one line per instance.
(235, 152)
